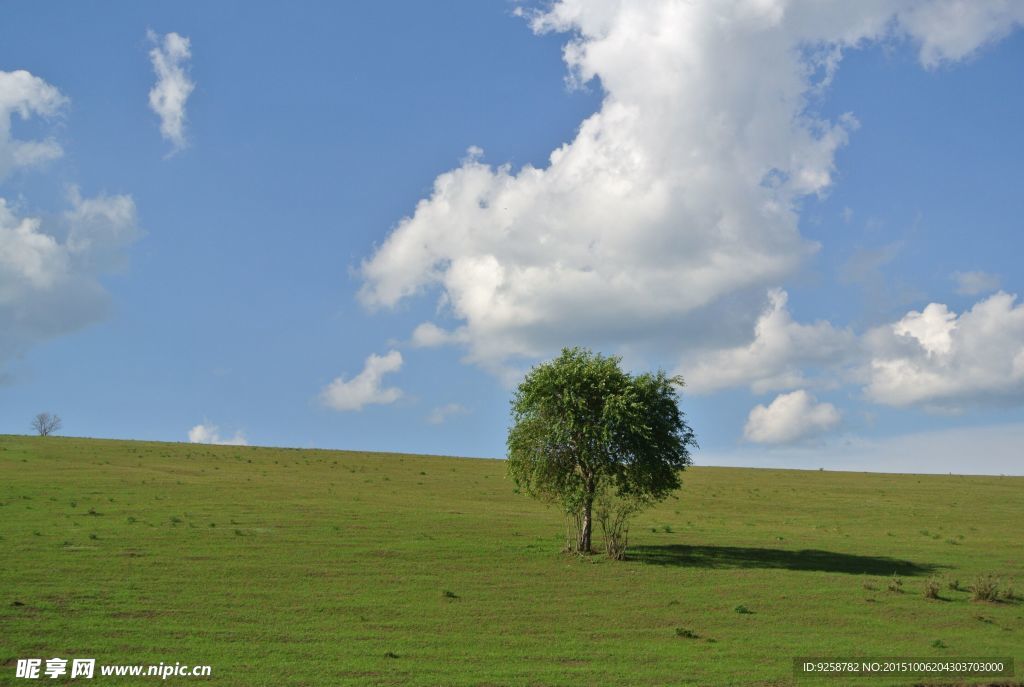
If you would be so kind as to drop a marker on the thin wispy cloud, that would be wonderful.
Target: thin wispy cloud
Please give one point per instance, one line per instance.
(441, 414)
(170, 57)
(25, 95)
(993, 450)
(975, 282)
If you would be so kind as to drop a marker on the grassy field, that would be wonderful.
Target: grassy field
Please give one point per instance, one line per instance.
(292, 567)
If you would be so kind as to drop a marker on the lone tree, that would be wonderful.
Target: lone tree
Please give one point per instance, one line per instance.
(46, 424)
(584, 431)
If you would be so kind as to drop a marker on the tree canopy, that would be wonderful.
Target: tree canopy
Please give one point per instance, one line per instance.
(46, 424)
(582, 427)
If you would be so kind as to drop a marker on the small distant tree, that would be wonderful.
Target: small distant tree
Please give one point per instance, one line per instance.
(585, 432)
(46, 424)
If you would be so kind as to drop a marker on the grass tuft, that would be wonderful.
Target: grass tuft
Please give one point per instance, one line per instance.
(986, 588)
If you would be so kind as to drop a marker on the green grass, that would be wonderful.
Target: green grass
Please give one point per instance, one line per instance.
(289, 567)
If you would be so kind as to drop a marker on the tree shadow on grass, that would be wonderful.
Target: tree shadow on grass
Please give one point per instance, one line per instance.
(807, 559)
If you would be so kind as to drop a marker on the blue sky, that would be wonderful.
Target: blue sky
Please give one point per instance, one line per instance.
(810, 211)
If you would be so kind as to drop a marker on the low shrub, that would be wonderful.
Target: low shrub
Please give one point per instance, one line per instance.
(986, 588)
(896, 584)
(612, 513)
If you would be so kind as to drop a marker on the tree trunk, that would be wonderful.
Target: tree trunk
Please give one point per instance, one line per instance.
(588, 523)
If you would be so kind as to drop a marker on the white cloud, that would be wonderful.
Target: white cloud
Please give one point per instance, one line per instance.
(428, 335)
(790, 417)
(933, 329)
(206, 433)
(681, 191)
(365, 388)
(50, 271)
(935, 357)
(26, 95)
(986, 450)
(938, 358)
(950, 30)
(440, 414)
(777, 357)
(974, 283)
(170, 56)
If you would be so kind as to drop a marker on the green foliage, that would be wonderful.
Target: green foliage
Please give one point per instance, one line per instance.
(582, 427)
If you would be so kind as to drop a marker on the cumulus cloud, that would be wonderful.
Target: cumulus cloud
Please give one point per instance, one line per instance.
(167, 98)
(973, 283)
(50, 272)
(365, 388)
(777, 358)
(681, 191)
(51, 269)
(933, 357)
(789, 418)
(936, 357)
(26, 95)
(206, 433)
(440, 414)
